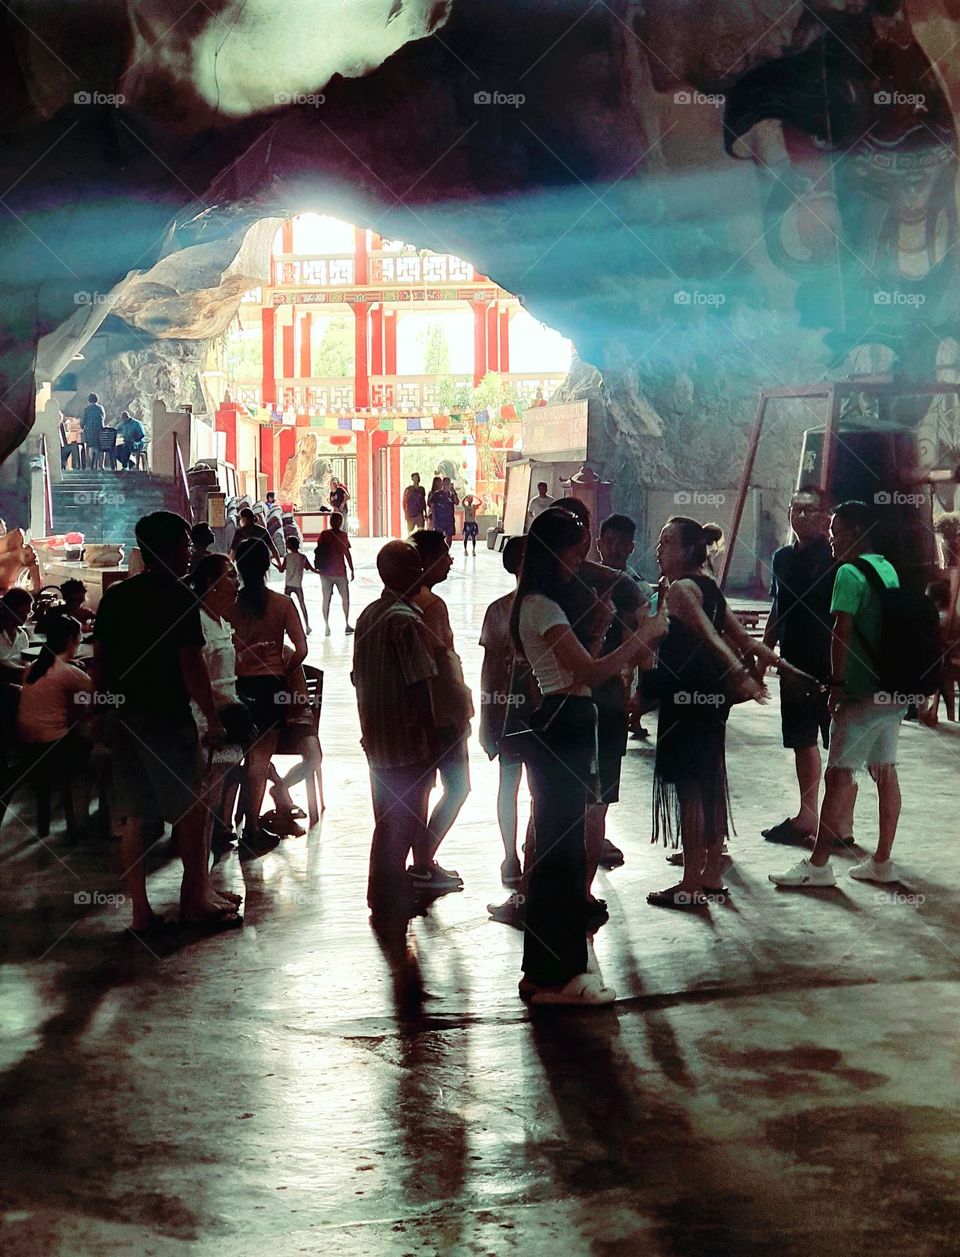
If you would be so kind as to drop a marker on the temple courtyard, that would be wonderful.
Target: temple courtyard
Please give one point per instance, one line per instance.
(780, 1076)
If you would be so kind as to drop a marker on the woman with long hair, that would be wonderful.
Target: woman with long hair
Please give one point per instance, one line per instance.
(54, 701)
(261, 621)
(435, 486)
(702, 666)
(560, 754)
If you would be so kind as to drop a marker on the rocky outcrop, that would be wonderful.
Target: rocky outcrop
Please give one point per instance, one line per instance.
(638, 173)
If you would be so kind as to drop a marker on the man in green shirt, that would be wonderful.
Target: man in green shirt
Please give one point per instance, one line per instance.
(865, 721)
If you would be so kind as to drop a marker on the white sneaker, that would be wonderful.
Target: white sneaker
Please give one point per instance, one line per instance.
(805, 874)
(871, 871)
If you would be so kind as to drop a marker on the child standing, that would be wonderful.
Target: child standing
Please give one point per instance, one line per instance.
(293, 565)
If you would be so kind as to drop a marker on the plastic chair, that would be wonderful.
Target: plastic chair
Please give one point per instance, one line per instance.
(292, 735)
(107, 444)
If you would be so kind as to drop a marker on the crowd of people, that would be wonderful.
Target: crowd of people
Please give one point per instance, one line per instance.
(569, 654)
(198, 676)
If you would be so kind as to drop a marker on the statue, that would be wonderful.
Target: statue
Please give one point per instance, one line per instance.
(18, 561)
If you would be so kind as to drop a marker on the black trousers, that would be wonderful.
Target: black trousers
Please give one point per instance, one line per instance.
(560, 760)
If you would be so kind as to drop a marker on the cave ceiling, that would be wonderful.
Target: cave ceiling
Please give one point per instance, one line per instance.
(668, 184)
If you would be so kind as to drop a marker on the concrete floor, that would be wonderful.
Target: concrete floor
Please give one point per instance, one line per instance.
(781, 1076)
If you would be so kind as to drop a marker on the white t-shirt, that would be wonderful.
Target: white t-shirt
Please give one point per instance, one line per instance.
(538, 505)
(48, 709)
(11, 652)
(295, 564)
(538, 614)
(220, 657)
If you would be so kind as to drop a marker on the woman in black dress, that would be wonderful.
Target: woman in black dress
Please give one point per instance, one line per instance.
(702, 666)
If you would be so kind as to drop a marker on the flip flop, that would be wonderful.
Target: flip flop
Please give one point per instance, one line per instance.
(674, 897)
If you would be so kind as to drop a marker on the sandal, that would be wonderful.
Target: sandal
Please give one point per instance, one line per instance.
(677, 897)
(511, 874)
(715, 892)
(281, 823)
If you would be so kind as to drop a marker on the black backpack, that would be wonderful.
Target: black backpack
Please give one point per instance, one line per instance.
(910, 658)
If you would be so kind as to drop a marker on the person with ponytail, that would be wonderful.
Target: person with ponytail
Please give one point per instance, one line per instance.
(559, 750)
(702, 665)
(261, 621)
(55, 699)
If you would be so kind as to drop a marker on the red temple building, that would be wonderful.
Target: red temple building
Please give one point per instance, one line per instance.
(372, 427)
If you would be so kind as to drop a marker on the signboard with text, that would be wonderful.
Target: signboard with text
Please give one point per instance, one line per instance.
(560, 431)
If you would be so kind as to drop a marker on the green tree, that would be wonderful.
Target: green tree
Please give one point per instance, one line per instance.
(436, 357)
(335, 353)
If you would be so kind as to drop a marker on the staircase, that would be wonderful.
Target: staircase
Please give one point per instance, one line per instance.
(105, 505)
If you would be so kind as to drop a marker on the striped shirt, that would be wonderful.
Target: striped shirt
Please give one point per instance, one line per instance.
(391, 653)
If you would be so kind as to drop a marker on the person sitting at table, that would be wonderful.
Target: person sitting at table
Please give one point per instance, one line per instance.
(74, 603)
(130, 438)
(15, 607)
(55, 700)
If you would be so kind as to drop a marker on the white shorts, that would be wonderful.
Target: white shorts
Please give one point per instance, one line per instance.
(864, 733)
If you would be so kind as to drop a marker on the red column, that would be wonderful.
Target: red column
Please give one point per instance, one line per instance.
(361, 370)
(268, 382)
(286, 236)
(389, 342)
(376, 340)
(479, 341)
(306, 358)
(493, 339)
(396, 493)
(266, 452)
(289, 366)
(505, 342)
(225, 421)
(286, 447)
(363, 483)
(360, 268)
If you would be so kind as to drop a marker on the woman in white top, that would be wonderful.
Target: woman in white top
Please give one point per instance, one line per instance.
(560, 755)
(55, 699)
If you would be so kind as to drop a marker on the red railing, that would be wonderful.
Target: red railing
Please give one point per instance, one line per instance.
(180, 476)
(47, 491)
